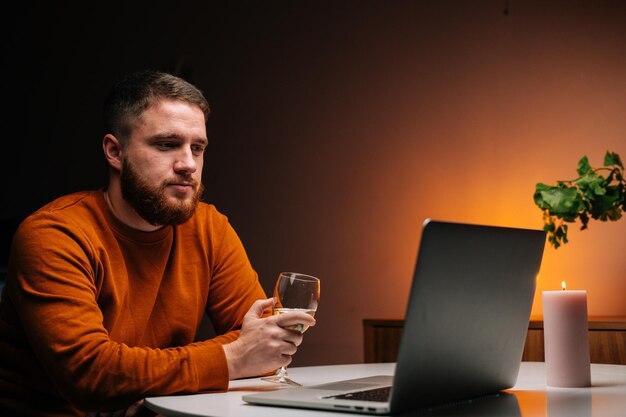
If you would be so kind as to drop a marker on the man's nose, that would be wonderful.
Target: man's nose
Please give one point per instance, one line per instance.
(185, 161)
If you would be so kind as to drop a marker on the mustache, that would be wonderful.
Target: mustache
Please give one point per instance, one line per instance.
(182, 181)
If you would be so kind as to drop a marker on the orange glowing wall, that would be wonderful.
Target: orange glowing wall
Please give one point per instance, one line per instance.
(338, 127)
(380, 117)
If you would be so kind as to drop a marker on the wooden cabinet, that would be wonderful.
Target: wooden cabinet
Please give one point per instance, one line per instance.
(381, 339)
(607, 340)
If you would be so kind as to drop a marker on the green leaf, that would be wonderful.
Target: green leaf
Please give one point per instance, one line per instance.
(559, 236)
(553, 240)
(548, 222)
(537, 196)
(583, 166)
(603, 205)
(584, 219)
(591, 184)
(615, 214)
(611, 158)
(562, 201)
(590, 196)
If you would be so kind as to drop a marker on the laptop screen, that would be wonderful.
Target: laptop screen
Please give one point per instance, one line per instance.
(468, 312)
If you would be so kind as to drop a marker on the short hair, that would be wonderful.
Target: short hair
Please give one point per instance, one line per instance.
(133, 94)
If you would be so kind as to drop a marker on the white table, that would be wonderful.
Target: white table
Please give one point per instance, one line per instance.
(531, 397)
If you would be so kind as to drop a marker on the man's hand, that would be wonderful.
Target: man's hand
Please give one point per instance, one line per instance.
(131, 411)
(264, 344)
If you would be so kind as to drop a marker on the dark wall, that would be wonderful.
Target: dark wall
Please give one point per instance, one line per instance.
(61, 59)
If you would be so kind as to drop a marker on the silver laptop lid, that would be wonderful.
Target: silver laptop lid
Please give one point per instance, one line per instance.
(468, 312)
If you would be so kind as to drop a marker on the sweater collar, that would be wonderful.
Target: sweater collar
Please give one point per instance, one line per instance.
(127, 231)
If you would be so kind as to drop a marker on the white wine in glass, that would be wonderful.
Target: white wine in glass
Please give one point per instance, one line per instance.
(294, 292)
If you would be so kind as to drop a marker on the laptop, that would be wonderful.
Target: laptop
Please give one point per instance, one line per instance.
(464, 330)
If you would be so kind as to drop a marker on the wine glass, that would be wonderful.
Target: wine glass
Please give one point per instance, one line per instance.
(294, 292)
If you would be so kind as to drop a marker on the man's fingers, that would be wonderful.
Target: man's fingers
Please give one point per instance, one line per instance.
(288, 349)
(293, 337)
(131, 411)
(288, 360)
(259, 306)
(290, 319)
(134, 409)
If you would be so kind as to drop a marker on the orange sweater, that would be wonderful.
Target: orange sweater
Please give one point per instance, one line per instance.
(96, 315)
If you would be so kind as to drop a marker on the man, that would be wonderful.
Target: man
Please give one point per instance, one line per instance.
(106, 289)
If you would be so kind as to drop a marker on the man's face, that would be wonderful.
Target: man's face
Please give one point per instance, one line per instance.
(162, 162)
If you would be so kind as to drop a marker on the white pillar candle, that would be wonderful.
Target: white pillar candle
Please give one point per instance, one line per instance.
(566, 338)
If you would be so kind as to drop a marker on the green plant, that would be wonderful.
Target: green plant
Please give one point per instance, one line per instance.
(590, 196)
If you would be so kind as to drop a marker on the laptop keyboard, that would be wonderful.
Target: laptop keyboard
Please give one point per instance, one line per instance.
(376, 395)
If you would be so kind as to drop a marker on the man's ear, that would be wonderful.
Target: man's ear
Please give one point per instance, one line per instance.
(112, 148)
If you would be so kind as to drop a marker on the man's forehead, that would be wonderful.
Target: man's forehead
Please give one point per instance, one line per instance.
(171, 110)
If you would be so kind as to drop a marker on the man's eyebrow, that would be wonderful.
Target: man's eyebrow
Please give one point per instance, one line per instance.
(165, 136)
(159, 136)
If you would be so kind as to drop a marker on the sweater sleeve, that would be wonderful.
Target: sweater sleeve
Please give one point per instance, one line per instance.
(234, 286)
(54, 292)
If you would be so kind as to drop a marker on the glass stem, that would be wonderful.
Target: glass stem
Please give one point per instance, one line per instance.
(282, 374)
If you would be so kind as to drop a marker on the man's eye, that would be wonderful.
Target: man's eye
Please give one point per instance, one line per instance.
(166, 145)
(197, 149)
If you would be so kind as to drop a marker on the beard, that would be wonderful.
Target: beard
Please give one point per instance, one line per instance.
(152, 204)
